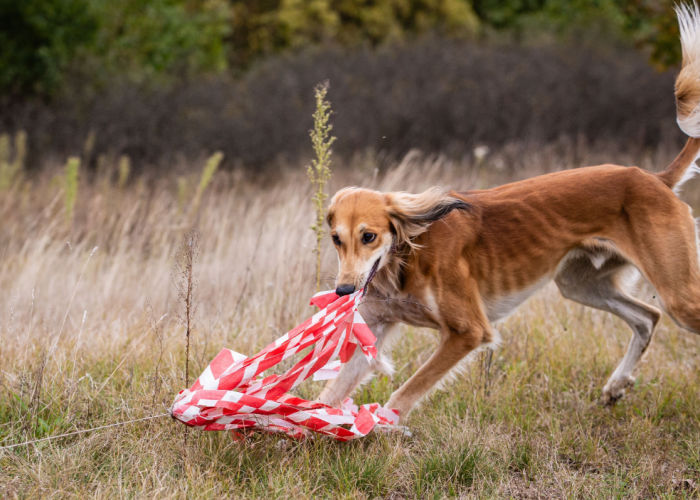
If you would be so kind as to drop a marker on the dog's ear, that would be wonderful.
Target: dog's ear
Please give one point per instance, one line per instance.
(412, 214)
(330, 214)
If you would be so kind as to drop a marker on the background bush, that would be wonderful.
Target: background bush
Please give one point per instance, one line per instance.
(164, 80)
(435, 94)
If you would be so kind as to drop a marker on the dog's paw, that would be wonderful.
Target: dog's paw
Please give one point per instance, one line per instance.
(399, 430)
(615, 389)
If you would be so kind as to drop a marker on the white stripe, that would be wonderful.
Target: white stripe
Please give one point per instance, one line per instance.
(250, 371)
(232, 396)
(207, 380)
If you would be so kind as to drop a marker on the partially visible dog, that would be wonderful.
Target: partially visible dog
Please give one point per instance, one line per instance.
(459, 261)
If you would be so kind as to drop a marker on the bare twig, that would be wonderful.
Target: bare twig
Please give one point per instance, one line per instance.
(186, 258)
(156, 328)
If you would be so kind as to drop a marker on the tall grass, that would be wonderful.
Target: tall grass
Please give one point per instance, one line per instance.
(210, 168)
(102, 335)
(70, 186)
(319, 172)
(12, 158)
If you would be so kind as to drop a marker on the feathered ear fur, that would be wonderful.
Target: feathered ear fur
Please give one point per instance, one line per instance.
(412, 214)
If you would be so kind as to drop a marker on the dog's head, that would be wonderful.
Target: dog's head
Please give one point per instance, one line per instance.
(368, 226)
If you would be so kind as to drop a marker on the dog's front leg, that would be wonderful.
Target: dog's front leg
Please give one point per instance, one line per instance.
(358, 369)
(453, 348)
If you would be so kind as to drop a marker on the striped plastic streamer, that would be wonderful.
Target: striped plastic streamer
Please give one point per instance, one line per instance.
(234, 394)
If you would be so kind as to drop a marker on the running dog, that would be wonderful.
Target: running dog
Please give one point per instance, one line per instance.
(457, 262)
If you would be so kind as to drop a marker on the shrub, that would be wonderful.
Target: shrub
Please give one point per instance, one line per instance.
(38, 39)
(435, 95)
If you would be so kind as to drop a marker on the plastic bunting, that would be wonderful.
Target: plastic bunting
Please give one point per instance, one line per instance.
(233, 394)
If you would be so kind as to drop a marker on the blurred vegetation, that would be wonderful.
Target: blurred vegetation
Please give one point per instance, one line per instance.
(39, 39)
(265, 27)
(650, 25)
(160, 80)
(44, 41)
(435, 95)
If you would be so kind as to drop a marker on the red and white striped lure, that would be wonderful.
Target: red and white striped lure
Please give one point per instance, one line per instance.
(232, 393)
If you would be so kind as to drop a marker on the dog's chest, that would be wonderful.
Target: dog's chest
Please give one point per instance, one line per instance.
(425, 311)
(398, 309)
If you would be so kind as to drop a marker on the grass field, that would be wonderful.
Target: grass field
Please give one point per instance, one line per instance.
(91, 334)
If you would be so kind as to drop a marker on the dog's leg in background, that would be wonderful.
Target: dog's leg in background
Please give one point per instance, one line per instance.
(580, 280)
(358, 369)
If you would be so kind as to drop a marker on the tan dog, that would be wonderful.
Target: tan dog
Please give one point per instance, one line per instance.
(459, 261)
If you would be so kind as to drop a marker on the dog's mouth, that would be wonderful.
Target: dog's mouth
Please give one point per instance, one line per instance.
(372, 273)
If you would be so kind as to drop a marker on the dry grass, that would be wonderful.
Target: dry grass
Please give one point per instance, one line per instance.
(90, 332)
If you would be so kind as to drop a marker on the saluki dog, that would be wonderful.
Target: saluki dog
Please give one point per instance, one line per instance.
(458, 261)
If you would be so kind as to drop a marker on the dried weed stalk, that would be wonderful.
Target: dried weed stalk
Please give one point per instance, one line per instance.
(185, 283)
(319, 171)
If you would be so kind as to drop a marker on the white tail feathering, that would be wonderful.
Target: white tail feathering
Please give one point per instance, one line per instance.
(689, 24)
(688, 81)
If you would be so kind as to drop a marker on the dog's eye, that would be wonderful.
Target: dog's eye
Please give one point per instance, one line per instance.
(336, 239)
(368, 237)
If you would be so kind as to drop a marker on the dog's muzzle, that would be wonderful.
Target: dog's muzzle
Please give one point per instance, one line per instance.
(344, 290)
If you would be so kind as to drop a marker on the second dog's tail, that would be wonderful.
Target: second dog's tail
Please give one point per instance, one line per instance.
(687, 97)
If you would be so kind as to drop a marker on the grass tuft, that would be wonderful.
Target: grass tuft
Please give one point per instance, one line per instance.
(12, 159)
(70, 186)
(124, 170)
(208, 172)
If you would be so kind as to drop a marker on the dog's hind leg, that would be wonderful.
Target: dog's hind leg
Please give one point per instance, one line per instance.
(659, 237)
(579, 279)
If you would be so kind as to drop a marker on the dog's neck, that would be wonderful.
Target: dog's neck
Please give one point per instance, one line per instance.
(389, 280)
(388, 301)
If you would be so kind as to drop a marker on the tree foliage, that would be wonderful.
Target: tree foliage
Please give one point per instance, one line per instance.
(38, 39)
(43, 40)
(263, 27)
(161, 37)
(648, 24)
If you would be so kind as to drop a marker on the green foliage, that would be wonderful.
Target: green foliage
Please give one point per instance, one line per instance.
(319, 171)
(38, 39)
(160, 37)
(70, 186)
(651, 26)
(261, 28)
(42, 41)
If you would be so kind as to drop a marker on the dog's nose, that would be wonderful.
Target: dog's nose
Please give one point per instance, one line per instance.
(344, 290)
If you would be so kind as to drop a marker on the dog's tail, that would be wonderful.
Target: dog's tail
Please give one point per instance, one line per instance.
(687, 97)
